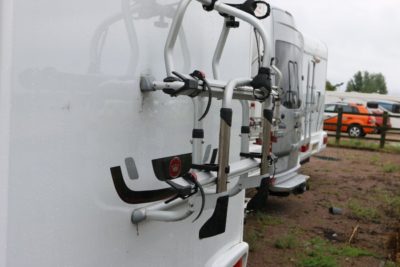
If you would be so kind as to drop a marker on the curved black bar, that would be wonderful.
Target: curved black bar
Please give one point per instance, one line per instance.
(137, 197)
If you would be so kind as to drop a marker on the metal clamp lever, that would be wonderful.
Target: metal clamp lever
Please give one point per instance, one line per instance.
(190, 84)
(187, 191)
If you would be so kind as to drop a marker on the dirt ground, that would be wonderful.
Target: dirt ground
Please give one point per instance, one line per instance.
(299, 230)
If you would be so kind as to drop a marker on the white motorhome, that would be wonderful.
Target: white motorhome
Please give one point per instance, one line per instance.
(105, 158)
(299, 133)
(315, 61)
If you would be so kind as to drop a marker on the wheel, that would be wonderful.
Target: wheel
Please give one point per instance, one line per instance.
(355, 131)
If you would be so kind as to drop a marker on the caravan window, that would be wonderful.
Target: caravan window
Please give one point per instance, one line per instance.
(386, 106)
(330, 108)
(288, 60)
(395, 108)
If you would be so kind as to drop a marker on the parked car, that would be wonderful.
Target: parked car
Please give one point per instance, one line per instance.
(379, 119)
(355, 125)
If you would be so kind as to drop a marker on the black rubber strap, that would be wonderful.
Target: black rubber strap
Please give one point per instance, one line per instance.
(226, 115)
(198, 134)
(268, 114)
(251, 155)
(245, 130)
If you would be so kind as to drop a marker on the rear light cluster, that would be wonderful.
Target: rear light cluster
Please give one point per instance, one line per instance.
(304, 148)
(371, 120)
(325, 139)
(239, 263)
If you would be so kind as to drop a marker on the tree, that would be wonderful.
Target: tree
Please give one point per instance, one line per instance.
(329, 86)
(365, 82)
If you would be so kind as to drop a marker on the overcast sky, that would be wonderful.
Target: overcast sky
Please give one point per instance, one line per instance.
(360, 35)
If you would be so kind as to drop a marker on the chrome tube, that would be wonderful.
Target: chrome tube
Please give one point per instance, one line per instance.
(219, 49)
(253, 21)
(225, 132)
(173, 34)
(266, 145)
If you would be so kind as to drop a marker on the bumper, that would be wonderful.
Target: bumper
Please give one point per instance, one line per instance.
(289, 183)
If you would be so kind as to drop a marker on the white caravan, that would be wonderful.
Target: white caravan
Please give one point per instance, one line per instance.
(107, 157)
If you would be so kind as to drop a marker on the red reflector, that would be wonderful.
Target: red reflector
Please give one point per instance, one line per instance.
(258, 141)
(274, 139)
(304, 148)
(325, 139)
(253, 105)
(175, 167)
(239, 263)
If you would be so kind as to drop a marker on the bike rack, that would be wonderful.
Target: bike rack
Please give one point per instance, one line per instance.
(240, 88)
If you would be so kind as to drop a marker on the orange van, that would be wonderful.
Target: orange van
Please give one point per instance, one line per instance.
(355, 125)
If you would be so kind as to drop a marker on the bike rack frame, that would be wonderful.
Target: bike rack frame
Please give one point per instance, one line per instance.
(234, 89)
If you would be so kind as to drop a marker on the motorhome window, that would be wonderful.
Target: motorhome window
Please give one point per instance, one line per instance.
(288, 57)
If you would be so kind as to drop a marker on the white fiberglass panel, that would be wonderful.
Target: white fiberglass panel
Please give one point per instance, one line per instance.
(77, 111)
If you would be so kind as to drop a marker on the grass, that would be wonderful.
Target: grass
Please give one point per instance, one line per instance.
(321, 253)
(364, 145)
(361, 212)
(353, 252)
(376, 160)
(268, 220)
(391, 264)
(392, 206)
(253, 237)
(286, 242)
(391, 168)
(389, 201)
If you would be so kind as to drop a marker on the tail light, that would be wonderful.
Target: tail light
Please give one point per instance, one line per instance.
(239, 263)
(325, 139)
(371, 120)
(304, 148)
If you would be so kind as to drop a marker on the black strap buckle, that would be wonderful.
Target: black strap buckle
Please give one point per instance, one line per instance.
(210, 7)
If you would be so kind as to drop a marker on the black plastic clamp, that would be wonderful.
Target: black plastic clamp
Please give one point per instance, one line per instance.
(210, 7)
(251, 155)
